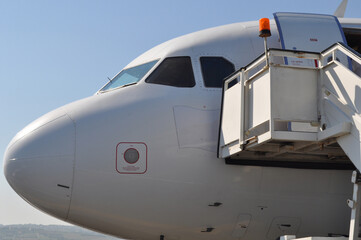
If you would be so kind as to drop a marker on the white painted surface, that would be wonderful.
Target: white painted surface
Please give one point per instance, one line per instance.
(294, 94)
(231, 125)
(259, 92)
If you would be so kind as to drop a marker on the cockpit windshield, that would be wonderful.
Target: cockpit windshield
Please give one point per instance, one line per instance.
(129, 76)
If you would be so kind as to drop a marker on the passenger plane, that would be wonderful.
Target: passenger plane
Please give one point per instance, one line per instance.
(138, 160)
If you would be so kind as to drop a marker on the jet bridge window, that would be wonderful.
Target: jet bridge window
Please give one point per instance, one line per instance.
(214, 70)
(173, 71)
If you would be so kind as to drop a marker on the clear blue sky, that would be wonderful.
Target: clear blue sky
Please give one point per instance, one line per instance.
(54, 52)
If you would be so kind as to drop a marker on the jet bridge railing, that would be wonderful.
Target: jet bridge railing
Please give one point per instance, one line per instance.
(304, 111)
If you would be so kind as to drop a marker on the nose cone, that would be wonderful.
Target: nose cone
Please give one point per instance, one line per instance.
(38, 163)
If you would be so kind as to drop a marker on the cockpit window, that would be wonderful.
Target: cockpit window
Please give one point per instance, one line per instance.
(214, 70)
(129, 76)
(173, 71)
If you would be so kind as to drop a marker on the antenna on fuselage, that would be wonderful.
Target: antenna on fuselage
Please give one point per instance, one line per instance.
(340, 11)
(109, 79)
(265, 32)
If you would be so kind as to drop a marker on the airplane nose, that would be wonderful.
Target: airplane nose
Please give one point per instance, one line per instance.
(39, 161)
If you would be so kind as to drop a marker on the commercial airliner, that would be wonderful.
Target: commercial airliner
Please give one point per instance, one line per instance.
(138, 159)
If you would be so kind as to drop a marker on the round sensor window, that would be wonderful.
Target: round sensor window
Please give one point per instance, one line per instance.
(131, 156)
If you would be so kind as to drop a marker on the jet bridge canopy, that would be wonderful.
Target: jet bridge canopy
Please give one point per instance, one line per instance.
(284, 114)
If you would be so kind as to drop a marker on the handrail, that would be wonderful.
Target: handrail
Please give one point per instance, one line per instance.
(274, 52)
(294, 53)
(231, 78)
(247, 74)
(349, 52)
(297, 54)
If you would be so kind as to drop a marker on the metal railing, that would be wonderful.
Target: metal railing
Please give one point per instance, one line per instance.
(278, 58)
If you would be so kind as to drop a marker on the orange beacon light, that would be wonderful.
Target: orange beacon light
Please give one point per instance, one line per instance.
(264, 27)
(264, 32)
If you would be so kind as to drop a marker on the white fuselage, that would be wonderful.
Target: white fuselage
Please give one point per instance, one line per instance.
(76, 147)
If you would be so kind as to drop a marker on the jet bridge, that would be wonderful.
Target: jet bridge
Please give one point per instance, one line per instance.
(300, 115)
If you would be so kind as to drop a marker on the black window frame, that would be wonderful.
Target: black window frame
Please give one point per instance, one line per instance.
(190, 84)
(204, 74)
